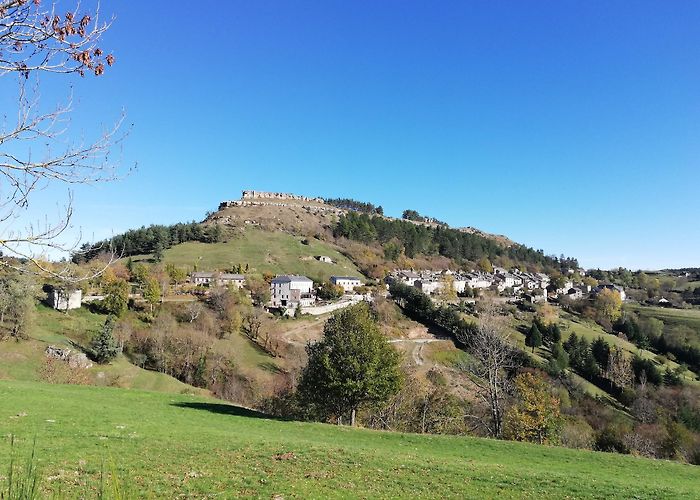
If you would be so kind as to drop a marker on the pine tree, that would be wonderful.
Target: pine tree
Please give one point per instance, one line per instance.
(534, 337)
(104, 346)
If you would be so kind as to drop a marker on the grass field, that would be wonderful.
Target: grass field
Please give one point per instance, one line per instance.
(162, 445)
(22, 360)
(275, 252)
(688, 317)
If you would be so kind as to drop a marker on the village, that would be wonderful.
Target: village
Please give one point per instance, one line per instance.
(509, 285)
(295, 294)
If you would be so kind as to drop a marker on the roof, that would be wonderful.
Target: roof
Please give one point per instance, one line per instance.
(228, 276)
(345, 278)
(288, 278)
(211, 274)
(409, 274)
(202, 274)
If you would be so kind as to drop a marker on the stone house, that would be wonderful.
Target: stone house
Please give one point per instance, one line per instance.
(429, 286)
(291, 291)
(215, 278)
(64, 300)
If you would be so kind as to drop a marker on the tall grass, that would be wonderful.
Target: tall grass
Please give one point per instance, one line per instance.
(22, 482)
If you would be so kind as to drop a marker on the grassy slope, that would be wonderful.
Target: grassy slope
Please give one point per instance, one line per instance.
(275, 252)
(688, 317)
(163, 444)
(590, 331)
(22, 360)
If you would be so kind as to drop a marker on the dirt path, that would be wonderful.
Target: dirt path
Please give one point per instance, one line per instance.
(298, 332)
(417, 352)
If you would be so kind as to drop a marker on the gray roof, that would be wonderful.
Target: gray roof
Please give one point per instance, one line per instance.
(202, 274)
(345, 278)
(211, 274)
(288, 278)
(228, 276)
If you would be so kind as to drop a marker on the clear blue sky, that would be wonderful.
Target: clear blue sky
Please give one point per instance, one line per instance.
(569, 126)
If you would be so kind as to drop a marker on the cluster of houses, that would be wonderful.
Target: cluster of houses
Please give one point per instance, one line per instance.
(288, 290)
(533, 287)
(292, 291)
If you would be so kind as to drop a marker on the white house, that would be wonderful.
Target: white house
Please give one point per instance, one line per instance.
(347, 282)
(459, 284)
(479, 280)
(575, 293)
(429, 286)
(64, 300)
(408, 277)
(291, 291)
(219, 279)
(615, 288)
(325, 259)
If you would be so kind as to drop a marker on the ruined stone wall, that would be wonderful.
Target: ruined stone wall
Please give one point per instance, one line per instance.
(262, 195)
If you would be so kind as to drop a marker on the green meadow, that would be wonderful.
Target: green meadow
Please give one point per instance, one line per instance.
(164, 445)
(274, 252)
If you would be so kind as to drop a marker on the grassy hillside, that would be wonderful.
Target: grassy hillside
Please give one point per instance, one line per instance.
(23, 360)
(591, 331)
(275, 252)
(163, 444)
(688, 317)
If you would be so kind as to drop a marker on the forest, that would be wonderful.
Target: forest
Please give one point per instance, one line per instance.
(452, 243)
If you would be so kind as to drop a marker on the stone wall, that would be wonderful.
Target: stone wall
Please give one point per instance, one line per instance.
(262, 195)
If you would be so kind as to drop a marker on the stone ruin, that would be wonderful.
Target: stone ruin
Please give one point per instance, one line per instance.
(74, 359)
(256, 195)
(262, 198)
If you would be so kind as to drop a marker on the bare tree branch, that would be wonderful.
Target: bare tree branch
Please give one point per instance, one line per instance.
(35, 148)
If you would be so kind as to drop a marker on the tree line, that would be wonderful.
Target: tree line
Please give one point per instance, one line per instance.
(152, 239)
(418, 239)
(357, 206)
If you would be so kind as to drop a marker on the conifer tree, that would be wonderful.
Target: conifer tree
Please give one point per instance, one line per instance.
(104, 346)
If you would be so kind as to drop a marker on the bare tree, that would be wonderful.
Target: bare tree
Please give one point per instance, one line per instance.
(35, 150)
(494, 361)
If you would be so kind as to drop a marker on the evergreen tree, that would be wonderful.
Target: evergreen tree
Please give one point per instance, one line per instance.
(534, 337)
(351, 368)
(553, 334)
(560, 356)
(601, 352)
(104, 346)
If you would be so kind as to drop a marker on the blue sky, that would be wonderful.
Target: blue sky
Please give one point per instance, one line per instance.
(569, 126)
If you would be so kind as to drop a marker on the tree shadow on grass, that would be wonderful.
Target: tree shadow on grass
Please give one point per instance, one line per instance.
(225, 409)
(269, 366)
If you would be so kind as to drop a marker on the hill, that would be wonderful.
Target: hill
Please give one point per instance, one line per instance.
(263, 251)
(163, 445)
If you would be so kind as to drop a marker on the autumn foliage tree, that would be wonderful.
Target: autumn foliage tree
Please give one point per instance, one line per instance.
(608, 306)
(536, 416)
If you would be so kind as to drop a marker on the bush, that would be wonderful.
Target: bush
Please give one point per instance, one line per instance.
(577, 433)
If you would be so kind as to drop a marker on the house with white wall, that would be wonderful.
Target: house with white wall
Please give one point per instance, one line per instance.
(210, 278)
(291, 291)
(348, 283)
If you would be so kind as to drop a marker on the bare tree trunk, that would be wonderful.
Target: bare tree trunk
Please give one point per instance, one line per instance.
(352, 418)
